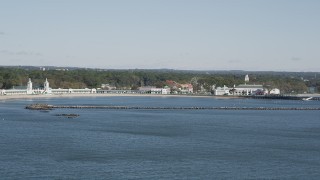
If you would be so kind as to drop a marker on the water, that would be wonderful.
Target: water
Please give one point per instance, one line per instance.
(159, 144)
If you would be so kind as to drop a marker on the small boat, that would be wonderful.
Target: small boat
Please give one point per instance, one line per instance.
(307, 99)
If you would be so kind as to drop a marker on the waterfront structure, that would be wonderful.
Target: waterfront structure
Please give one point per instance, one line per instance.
(221, 91)
(105, 91)
(45, 90)
(108, 87)
(29, 90)
(248, 89)
(19, 91)
(241, 90)
(186, 88)
(274, 91)
(153, 90)
(74, 91)
(245, 89)
(177, 88)
(13, 91)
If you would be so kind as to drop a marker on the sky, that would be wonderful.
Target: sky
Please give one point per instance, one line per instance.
(252, 35)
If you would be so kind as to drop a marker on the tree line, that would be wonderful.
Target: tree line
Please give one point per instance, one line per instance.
(132, 79)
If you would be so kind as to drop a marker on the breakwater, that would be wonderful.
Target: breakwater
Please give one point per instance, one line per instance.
(283, 97)
(51, 107)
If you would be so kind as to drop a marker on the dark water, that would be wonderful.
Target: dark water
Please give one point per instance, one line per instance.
(159, 144)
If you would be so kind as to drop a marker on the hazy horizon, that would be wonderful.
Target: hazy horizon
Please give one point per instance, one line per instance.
(248, 35)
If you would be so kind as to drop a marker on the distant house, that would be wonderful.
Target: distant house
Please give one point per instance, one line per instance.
(186, 88)
(172, 84)
(108, 87)
(274, 91)
(3, 92)
(179, 88)
(220, 91)
(246, 89)
(146, 89)
(154, 90)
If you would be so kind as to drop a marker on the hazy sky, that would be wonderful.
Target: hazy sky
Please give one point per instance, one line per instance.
(177, 34)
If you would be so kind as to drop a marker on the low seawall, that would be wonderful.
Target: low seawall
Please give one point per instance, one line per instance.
(285, 97)
(51, 107)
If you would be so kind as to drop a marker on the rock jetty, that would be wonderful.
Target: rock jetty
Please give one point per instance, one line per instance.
(50, 107)
(68, 115)
(39, 107)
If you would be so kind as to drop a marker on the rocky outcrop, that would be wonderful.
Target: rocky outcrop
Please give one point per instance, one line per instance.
(39, 107)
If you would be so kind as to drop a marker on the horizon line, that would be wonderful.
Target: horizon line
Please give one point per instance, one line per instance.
(171, 69)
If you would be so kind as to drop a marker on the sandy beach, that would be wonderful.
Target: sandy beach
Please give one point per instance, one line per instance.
(8, 97)
(12, 97)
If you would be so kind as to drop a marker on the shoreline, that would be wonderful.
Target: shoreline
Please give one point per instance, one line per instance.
(42, 96)
(14, 97)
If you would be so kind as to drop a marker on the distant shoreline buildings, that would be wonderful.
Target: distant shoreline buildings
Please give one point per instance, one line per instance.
(45, 90)
(171, 87)
(245, 90)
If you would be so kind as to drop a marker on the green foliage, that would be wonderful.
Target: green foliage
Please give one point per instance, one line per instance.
(132, 79)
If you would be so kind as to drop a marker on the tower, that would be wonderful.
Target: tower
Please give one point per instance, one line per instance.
(47, 89)
(29, 87)
(246, 79)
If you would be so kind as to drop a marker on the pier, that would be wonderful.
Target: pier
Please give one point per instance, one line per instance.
(51, 107)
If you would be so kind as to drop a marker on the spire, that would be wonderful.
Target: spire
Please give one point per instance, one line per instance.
(47, 89)
(246, 79)
(29, 87)
(46, 84)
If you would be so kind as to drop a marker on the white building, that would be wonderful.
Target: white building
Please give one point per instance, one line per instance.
(13, 92)
(246, 89)
(108, 87)
(154, 90)
(74, 91)
(29, 87)
(186, 88)
(274, 91)
(220, 91)
(46, 90)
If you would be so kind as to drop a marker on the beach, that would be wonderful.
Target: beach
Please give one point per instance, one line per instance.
(38, 96)
(7, 97)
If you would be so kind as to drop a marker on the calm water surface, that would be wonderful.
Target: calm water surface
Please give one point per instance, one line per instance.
(159, 144)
